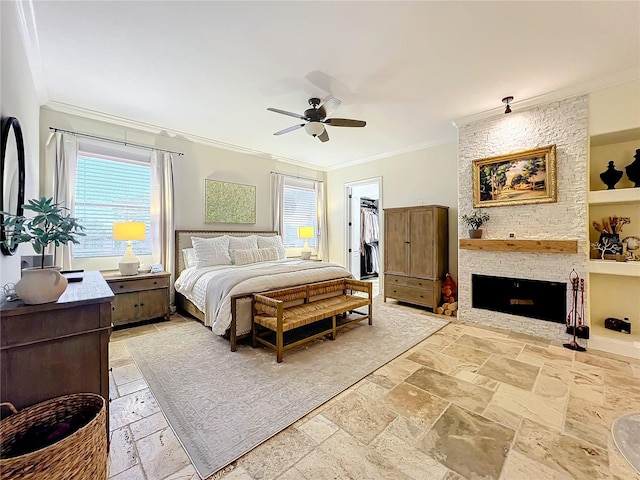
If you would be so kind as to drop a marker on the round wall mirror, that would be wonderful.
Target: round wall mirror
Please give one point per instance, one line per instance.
(12, 167)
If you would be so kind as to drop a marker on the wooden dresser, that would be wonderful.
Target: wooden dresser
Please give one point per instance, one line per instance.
(416, 252)
(57, 348)
(139, 297)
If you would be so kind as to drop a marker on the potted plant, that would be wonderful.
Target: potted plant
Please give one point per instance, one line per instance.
(50, 225)
(475, 221)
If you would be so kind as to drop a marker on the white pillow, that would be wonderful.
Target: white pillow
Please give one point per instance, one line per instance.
(189, 257)
(211, 251)
(243, 257)
(242, 243)
(249, 242)
(273, 241)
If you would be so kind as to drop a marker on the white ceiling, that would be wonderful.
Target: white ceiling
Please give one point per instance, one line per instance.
(211, 69)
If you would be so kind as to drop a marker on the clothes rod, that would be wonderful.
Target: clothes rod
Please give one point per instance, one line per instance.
(300, 178)
(121, 142)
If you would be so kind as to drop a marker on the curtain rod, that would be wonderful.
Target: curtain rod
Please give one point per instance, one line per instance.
(301, 178)
(121, 142)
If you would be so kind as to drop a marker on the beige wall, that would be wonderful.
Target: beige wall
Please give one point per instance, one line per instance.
(18, 99)
(423, 177)
(614, 108)
(190, 170)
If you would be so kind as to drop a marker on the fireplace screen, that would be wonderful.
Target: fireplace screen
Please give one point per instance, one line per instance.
(527, 298)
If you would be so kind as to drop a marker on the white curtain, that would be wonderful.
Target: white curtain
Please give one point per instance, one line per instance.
(277, 202)
(62, 153)
(323, 238)
(162, 212)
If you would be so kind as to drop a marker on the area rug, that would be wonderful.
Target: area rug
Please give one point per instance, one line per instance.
(626, 434)
(221, 404)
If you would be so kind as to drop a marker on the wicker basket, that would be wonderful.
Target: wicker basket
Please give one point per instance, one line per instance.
(82, 455)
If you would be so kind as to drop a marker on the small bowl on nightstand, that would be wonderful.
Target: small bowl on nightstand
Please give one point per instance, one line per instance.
(144, 268)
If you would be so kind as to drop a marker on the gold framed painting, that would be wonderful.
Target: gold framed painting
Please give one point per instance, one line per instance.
(226, 202)
(516, 179)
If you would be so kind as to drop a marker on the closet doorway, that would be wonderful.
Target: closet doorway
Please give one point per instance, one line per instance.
(363, 229)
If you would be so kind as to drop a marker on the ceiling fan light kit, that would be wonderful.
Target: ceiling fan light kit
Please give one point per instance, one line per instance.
(314, 128)
(507, 101)
(316, 118)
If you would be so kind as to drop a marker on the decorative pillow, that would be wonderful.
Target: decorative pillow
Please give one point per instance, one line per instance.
(274, 241)
(189, 257)
(242, 243)
(244, 257)
(211, 251)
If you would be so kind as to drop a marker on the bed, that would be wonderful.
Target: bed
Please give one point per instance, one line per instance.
(219, 295)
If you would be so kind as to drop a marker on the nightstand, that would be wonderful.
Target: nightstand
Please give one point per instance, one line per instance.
(139, 297)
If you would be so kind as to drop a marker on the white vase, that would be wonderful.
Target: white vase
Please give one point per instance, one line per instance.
(41, 285)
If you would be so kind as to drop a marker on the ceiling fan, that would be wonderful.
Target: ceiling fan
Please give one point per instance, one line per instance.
(316, 118)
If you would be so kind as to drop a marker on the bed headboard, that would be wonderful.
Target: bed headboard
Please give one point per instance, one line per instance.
(183, 240)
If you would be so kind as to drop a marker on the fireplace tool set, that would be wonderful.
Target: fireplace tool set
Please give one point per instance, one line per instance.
(575, 319)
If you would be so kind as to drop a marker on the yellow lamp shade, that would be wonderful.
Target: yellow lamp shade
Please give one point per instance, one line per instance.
(305, 232)
(129, 231)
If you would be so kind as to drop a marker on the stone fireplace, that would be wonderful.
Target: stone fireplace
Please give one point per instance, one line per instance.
(562, 123)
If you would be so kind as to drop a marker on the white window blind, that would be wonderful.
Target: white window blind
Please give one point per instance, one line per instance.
(300, 210)
(108, 190)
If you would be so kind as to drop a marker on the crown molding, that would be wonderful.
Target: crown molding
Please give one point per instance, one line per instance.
(579, 89)
(158, 130)
(393, 153)
(31, 44)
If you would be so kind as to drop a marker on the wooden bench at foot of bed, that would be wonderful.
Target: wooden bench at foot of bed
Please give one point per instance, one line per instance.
(281, 311)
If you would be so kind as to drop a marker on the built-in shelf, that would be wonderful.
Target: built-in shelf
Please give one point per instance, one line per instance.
(622, 195)
(612, 286)
(522, 246)
(616, 342)
(611, 267)
(621, 136)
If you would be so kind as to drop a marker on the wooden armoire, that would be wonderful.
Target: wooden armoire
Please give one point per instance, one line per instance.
(416, 252)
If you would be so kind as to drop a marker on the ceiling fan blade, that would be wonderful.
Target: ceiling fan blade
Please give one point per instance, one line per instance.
(344, 122)
(328, 107)
(290, 129)
(284, 112)
(324, 136)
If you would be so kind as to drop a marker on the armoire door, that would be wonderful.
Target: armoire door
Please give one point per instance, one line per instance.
(396, 238)
(421, 235)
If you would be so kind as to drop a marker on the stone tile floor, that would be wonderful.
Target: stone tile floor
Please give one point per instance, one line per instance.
(466, 403)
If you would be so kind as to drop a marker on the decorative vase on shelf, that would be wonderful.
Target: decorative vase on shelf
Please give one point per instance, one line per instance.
(477, 233)
(609, 244)
(633, 169)
(611, 176)
(41, 285)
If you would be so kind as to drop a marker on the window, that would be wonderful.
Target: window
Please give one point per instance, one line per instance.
(111, 189)
(299, 210)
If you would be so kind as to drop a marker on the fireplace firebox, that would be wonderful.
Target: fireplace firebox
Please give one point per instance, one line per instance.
(528, 298)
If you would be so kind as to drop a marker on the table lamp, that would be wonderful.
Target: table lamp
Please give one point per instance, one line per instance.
(129, 231)
(305, 232)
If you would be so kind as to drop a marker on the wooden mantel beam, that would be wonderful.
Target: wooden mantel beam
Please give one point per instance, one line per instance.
(522, 246)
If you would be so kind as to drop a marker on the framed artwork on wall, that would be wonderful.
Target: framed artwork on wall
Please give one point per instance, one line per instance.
(516, 179)
(226, 202)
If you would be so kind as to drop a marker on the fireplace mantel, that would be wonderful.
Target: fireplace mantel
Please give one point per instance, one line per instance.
(522, 246)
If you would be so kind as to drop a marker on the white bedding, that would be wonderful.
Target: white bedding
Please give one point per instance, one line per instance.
(211, 288)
